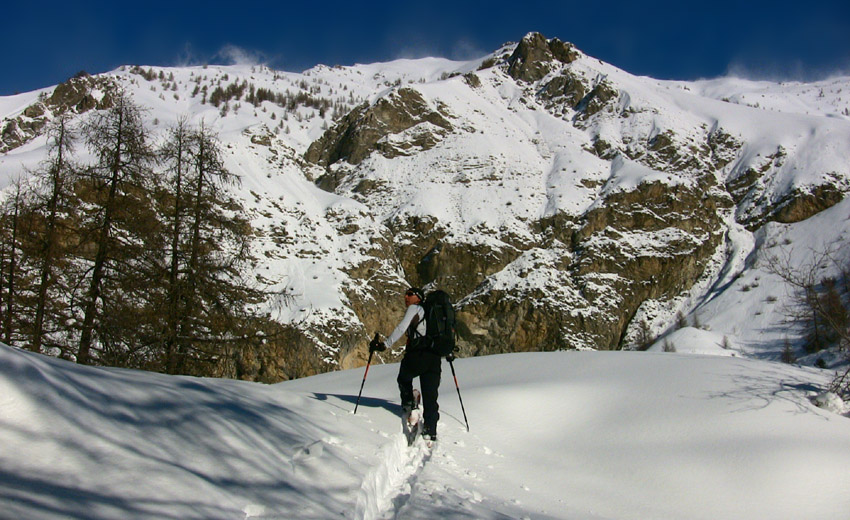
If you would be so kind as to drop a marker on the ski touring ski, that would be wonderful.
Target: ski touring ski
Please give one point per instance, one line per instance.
(412, 421)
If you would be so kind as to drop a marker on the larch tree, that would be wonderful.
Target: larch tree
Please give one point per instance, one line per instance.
(118, 183)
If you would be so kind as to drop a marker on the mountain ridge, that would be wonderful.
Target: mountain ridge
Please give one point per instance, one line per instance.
(563, 202)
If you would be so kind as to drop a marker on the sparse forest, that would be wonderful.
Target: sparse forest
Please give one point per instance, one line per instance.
(138, 259)
(306, 95)
(820, 304)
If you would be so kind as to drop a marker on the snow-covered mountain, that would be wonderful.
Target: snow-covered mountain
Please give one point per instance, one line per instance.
(572, 435)
(563, 202)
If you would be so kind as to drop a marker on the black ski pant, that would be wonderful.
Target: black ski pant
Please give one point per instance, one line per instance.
(427, 366)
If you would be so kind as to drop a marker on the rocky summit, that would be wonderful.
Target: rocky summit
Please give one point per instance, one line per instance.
(562, 202)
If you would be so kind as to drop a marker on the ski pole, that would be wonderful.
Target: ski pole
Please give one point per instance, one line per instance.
(451, 364)
(364, 381)
(368, 363)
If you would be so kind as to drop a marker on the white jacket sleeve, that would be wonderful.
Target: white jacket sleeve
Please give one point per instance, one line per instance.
(401, 328)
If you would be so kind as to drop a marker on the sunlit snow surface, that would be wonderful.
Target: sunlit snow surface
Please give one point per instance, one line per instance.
(568, 435)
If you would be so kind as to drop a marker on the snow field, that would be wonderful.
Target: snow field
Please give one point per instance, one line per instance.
(578, 435)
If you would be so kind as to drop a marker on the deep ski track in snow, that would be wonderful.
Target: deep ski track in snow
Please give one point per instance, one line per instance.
(388, 486)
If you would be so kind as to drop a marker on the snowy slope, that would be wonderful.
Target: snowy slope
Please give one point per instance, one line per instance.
(517, 161)
(749, 304)
(578, 435)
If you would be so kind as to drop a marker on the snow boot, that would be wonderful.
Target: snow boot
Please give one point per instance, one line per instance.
(412, 418)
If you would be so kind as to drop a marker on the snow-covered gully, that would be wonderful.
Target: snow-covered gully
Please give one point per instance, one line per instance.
(387, 487)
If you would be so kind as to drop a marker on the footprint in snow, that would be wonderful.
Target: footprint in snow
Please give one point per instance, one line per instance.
(333, 441)
(253, 510)
(310, 451)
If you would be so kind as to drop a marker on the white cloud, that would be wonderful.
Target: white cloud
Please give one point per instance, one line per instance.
(187, 57)
(467, 50)
(234, 55)
(461, 50)
(787, 70)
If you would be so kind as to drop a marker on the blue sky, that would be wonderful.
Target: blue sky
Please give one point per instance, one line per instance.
(44, 43)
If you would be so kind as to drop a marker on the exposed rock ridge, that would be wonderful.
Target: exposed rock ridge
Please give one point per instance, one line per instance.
(534, 55)
(77, 95)
(372, 127)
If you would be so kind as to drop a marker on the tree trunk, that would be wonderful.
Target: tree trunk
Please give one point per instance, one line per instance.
(10, 287)
(86, 335)
(175, 295)
(57, 176)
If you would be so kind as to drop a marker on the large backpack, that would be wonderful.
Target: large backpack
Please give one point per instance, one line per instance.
(439, 323)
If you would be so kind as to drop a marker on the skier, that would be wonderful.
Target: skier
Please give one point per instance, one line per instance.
(417, 362)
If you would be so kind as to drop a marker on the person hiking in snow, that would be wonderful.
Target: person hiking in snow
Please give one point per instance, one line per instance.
(417, 362)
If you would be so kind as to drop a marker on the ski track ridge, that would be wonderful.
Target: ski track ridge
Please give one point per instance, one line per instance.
(388, 486)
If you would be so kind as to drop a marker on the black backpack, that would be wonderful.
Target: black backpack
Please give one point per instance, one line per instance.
(439, 324)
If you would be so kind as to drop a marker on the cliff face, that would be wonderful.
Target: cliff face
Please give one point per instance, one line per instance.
(652, 193)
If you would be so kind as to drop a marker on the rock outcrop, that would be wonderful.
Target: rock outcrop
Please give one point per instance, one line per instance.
(398, 124)
(534, 56)
(77, 95)
(574, 280)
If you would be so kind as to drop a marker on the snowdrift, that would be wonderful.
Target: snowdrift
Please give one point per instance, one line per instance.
(578, 435)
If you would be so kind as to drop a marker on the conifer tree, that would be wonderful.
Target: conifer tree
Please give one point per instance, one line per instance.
(117, 188)
(13, 208)
(176, 156)
(207, 256)
(57, 177)
(214, 294)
